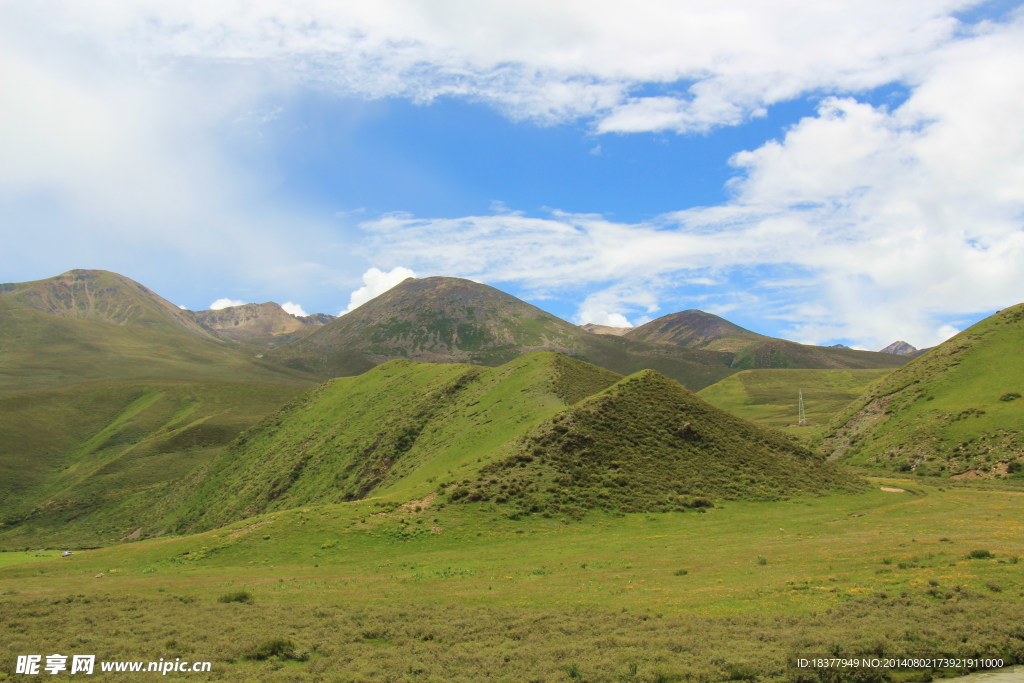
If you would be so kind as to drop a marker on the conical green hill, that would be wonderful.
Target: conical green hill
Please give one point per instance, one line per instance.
(648, 444)
(955, 411)
(398, 428)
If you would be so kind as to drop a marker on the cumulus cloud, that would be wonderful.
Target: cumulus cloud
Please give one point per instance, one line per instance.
(225, 303)
(375, 283)
(293, 309)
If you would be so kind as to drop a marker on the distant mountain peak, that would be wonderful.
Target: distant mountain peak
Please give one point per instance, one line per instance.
(691, 328)
(899, 348)
(267, 323)
(100, 295)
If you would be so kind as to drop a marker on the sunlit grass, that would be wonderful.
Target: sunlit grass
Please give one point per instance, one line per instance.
(360, 597)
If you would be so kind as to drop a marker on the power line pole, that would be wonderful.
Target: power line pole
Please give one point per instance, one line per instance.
(801, 416)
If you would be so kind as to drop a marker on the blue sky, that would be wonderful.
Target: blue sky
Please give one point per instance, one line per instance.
(841, 172)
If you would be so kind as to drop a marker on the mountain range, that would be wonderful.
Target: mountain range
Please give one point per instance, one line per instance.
(95, 324)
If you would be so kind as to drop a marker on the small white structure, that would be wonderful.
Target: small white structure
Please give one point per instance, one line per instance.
(66, 553)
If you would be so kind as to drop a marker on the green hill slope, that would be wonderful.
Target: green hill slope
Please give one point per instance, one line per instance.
(108, 393)
(451, 320)
(91, 463)
(90, 325)
(398, 427)
(544, 433)
(957, 410)
(648, 444)
(770, 397)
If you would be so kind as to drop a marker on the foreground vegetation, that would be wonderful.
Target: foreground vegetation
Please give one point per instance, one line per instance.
(373, 590)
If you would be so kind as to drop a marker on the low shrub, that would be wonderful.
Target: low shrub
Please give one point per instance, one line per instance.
(236, 596)
(281, 648)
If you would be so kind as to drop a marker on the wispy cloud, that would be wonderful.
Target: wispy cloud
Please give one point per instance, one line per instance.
(723, 62)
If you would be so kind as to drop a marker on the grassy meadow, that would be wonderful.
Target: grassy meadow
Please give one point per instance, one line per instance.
(770, 397)
(379, 590)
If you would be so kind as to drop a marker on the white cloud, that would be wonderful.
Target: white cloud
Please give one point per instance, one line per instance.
(375, 283)
(225, 303)
(293, 309)
(724, 61)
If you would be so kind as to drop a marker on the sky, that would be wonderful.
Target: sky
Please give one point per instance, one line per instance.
(831, 172)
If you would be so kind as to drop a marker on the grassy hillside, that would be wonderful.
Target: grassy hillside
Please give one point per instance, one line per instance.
(360, 591)
(88, 325)
(957, 410)
(90, 463)
(770, 397)
(399, 427)
(645, 444)
(543, 433)
(107, 394)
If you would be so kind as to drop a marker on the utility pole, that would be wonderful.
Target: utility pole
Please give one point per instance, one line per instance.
(801, 416)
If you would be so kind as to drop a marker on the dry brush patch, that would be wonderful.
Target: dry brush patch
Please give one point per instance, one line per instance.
(267, 640)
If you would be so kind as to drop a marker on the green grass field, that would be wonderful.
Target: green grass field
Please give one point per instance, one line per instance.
(373, 591)
(770, 397)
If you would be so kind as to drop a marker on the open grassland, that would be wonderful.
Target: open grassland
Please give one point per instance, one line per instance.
(374, 590)
(770, 397)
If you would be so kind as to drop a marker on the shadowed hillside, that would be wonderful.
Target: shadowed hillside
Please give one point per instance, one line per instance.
(91, 463)
(648, 444)
(107, 394)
